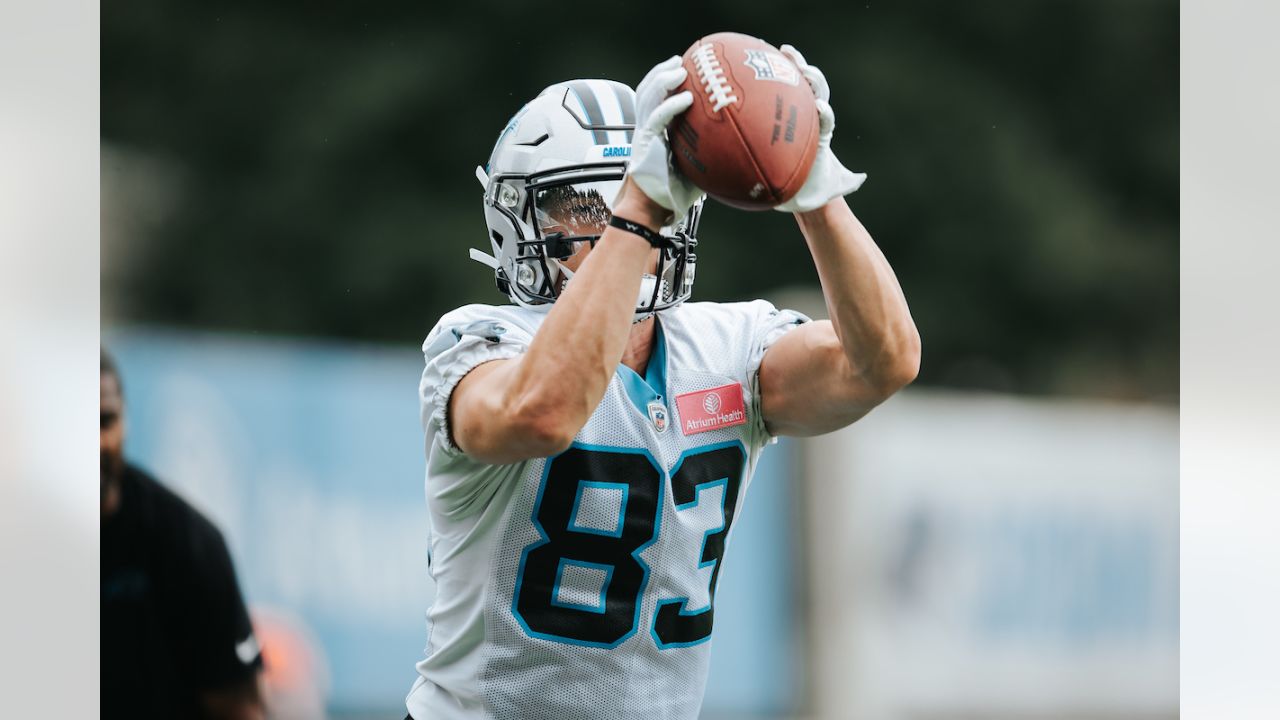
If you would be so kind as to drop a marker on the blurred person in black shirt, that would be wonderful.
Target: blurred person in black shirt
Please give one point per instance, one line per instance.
(176, 639)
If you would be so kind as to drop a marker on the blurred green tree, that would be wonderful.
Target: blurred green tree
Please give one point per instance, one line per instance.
(1023, 164)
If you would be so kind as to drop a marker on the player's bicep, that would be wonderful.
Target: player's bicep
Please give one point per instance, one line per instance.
(486, 419)
(476, 424)
(807, 386)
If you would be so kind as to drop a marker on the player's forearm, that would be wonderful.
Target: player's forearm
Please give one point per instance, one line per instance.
(866, 304)
(569, 364)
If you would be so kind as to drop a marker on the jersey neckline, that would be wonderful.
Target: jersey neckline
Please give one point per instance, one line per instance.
(653, 386)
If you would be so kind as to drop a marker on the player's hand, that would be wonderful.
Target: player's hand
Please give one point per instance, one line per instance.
(650, 155)
(828, 179)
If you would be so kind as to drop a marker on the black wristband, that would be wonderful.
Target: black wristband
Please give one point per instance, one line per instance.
(636, 228)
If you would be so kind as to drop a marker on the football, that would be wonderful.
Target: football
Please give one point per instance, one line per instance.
(751, 135)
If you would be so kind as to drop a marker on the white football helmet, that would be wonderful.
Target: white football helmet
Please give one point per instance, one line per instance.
(550, 185)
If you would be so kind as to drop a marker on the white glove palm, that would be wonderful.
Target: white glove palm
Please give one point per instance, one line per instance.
(650, 155)
(828, 179)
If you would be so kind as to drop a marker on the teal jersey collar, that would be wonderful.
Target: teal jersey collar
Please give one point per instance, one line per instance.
(653, 386)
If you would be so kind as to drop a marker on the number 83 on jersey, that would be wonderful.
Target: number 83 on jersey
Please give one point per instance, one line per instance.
(598, 509)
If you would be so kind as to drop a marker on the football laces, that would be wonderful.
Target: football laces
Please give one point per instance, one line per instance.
(719, 92)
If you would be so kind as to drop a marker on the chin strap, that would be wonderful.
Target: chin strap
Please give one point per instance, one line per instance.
(484, 258)
(645, 297)
(481, 256)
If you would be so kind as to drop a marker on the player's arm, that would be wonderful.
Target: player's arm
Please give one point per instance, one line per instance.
(824, 375)
(532, 406)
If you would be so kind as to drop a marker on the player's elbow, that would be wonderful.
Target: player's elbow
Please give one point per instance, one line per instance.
(900, 366)
(549, 437)
(544, 428)
(876, 379)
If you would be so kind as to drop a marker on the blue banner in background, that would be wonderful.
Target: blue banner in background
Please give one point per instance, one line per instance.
(308, 455)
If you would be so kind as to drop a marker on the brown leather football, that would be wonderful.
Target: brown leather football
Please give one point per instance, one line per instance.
(751, 135)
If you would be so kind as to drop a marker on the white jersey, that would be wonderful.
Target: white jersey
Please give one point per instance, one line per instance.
(581, 585)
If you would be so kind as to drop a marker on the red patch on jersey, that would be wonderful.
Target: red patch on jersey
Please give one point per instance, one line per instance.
(705, 410)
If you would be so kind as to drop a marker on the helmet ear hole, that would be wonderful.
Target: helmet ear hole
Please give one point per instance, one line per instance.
(497, 237)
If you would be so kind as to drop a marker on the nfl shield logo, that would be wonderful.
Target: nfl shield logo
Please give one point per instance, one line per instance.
(658, 414)
(769, 65)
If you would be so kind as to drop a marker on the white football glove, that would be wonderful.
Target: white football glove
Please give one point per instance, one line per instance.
(828, 179)
(650, 155)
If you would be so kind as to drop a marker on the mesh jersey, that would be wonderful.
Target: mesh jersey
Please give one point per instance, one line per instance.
(580, 586)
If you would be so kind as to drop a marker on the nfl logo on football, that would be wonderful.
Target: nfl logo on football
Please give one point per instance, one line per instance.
(772, 66)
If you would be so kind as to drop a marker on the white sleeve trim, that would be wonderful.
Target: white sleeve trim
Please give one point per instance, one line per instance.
(771, 325)
(453, 375)
(454, 348)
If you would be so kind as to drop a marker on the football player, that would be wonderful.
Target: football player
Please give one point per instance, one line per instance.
(590, 444)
